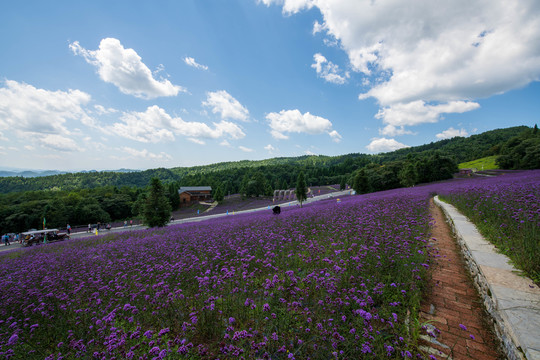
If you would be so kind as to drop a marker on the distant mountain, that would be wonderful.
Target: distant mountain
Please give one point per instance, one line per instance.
(40, 173)
(30, 173)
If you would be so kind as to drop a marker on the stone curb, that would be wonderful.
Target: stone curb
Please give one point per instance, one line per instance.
(514, 305)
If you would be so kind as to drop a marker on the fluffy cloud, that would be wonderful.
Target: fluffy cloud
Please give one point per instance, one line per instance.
(290, 6)
(435, 52)
(293, 121)
(101, 110)
(145, 154)
(124, 68)
(58, 143)
(26, 109)
(328, 70)
(155, 125)
(379, 145)
(451, 132)
(228, 107)
(418, 112)
(191, 62)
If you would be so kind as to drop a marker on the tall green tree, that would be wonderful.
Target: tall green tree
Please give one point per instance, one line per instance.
(342, 183)
(157, 210)
(301, 188)
(218, 194)
(361, 183)
(408, 174)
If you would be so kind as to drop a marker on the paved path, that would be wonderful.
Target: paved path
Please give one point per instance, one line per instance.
(511, 299)
(453, 304)
(83, 234)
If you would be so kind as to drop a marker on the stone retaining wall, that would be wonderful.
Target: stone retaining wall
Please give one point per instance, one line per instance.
(502, 328)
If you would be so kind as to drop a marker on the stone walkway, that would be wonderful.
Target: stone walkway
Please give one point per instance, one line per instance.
(453, 309)
(511, 299)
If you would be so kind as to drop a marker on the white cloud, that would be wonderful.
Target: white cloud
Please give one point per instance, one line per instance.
(245, 149)
(2, 137)
(124, 68)
(293, 121)
(418, 112)
(270, 148)
(433, 52)
(290, 6)
(155, 125)
(197, 141)
(451, 132)
(379, 145)
(328, 70)
(191, 62)
(101, 110)
(228, 107)
(391, 130)
(58, 143)
(26, 109)
(145, 154)
(224, 143)
(335, 136)
(309, 152)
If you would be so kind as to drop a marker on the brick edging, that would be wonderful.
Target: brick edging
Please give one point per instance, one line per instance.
(502, 328)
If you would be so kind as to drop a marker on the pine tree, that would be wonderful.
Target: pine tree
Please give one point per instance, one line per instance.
(218, 194)
(301, 188)
(157, 210)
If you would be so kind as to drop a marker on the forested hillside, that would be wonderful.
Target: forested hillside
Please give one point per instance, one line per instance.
(82, 198)
(321, 169)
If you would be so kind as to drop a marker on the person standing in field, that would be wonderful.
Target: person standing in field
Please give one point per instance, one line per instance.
(68, 228)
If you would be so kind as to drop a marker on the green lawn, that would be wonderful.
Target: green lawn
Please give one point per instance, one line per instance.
(486, 163)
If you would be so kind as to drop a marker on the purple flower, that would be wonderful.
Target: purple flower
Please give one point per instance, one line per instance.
(13, 339)
(463, 327)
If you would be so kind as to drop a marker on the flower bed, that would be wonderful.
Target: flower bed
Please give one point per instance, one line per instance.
(506, 210)
(331, 280)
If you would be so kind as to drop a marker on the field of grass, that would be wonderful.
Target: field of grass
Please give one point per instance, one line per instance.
(486, 163)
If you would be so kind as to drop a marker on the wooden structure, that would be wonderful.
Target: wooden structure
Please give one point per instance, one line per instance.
(467, 171)
(190, 194)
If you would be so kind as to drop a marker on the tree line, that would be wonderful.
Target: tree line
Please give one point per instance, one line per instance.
(80, 199)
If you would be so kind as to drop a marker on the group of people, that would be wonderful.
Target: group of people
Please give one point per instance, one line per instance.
(98, 227)
(8, 238)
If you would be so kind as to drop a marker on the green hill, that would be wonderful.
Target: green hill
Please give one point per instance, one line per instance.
(320, 169)
(485, 163)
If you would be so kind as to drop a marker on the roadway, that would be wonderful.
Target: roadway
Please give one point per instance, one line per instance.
(84, 234)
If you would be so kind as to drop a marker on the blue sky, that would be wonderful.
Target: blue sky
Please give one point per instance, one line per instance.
(145, 84)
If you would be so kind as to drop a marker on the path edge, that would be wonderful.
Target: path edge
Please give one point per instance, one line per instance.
(504, 329)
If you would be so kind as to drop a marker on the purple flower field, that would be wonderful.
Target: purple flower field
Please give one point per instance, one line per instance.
(506, 210)
(332, 280)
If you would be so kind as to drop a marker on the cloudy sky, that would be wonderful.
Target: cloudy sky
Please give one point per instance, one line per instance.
(145, 84)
